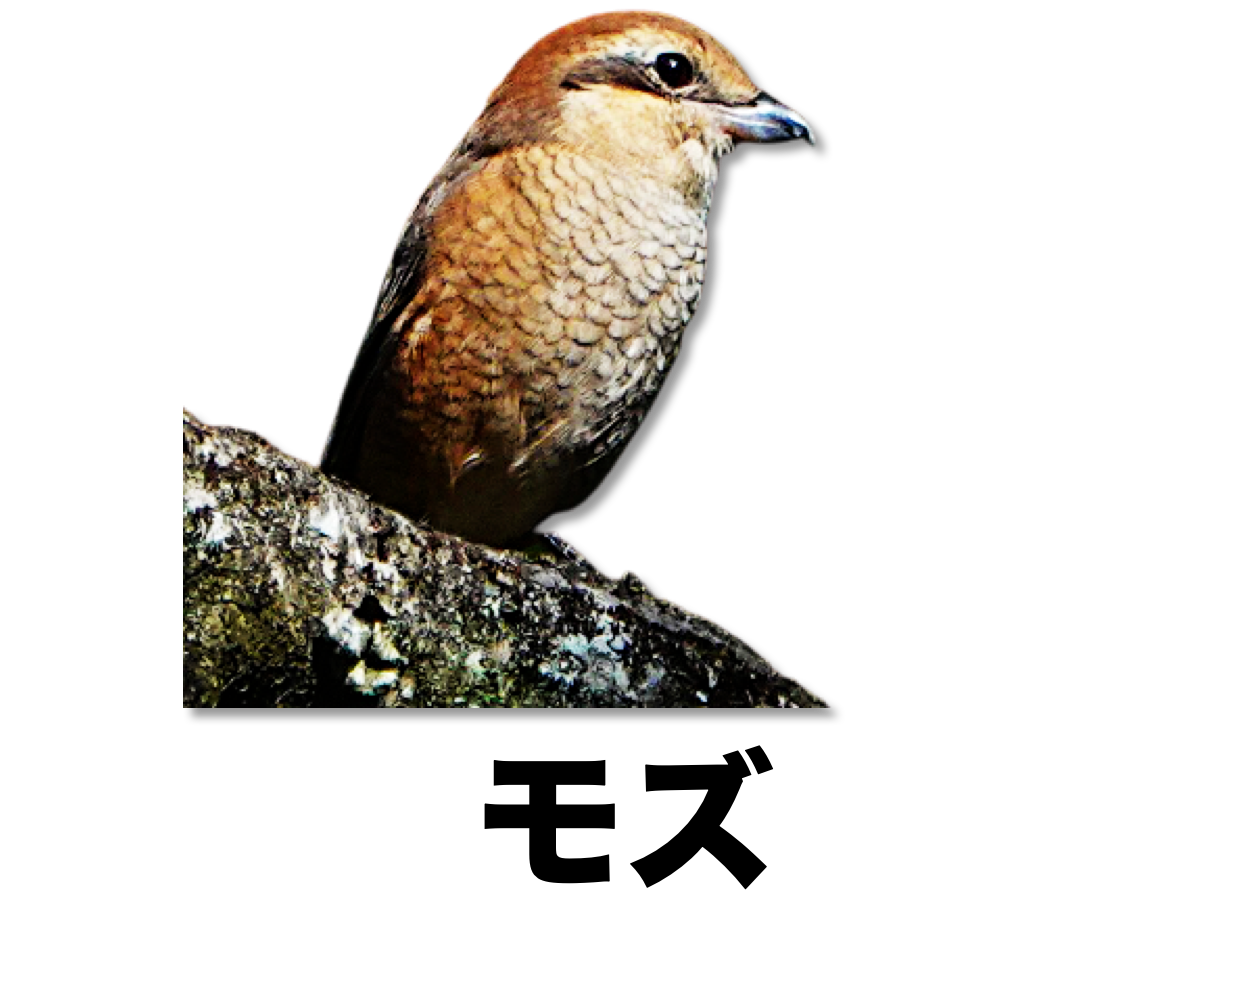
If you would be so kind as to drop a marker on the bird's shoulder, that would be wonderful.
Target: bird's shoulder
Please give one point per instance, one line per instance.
(402, 282)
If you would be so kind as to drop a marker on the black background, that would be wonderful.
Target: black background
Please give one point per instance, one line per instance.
(756, 492)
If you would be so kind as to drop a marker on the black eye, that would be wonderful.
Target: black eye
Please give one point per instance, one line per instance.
(674, 70)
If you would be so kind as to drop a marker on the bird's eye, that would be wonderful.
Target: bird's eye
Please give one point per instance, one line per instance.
(674, 70)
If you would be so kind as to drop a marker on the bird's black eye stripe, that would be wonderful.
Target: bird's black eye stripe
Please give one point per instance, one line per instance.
(674, 70)
(667, 72)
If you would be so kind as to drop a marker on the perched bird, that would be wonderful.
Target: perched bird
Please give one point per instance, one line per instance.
(538, 295)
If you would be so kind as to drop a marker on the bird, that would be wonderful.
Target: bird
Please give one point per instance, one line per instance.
(537, 296)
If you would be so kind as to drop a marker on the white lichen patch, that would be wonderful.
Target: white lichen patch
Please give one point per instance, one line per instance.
(370, 680)
(329, 519)
(355, 635)
(493, 600)
(596, 661)
(352, 634)
(602, 645)
(195, 497)
(347, 631)
(384, 573)
(279, 576)
(221, 450)
(219, 530)
(578, 644)
(563, 670)
(325, 518)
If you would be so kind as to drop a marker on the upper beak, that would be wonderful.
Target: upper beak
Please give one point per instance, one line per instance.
(765, 120)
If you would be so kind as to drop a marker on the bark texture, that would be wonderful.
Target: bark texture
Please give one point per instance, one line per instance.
(300, 592)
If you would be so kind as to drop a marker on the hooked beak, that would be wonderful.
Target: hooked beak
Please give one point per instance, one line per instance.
(765, 120)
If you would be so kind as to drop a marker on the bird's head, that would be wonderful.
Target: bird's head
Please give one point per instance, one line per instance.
(647, 91)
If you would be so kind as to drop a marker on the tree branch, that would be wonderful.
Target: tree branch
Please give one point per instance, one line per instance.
(300, 592)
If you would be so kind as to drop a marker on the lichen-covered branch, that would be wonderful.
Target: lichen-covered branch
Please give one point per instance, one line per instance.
(300, 592)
